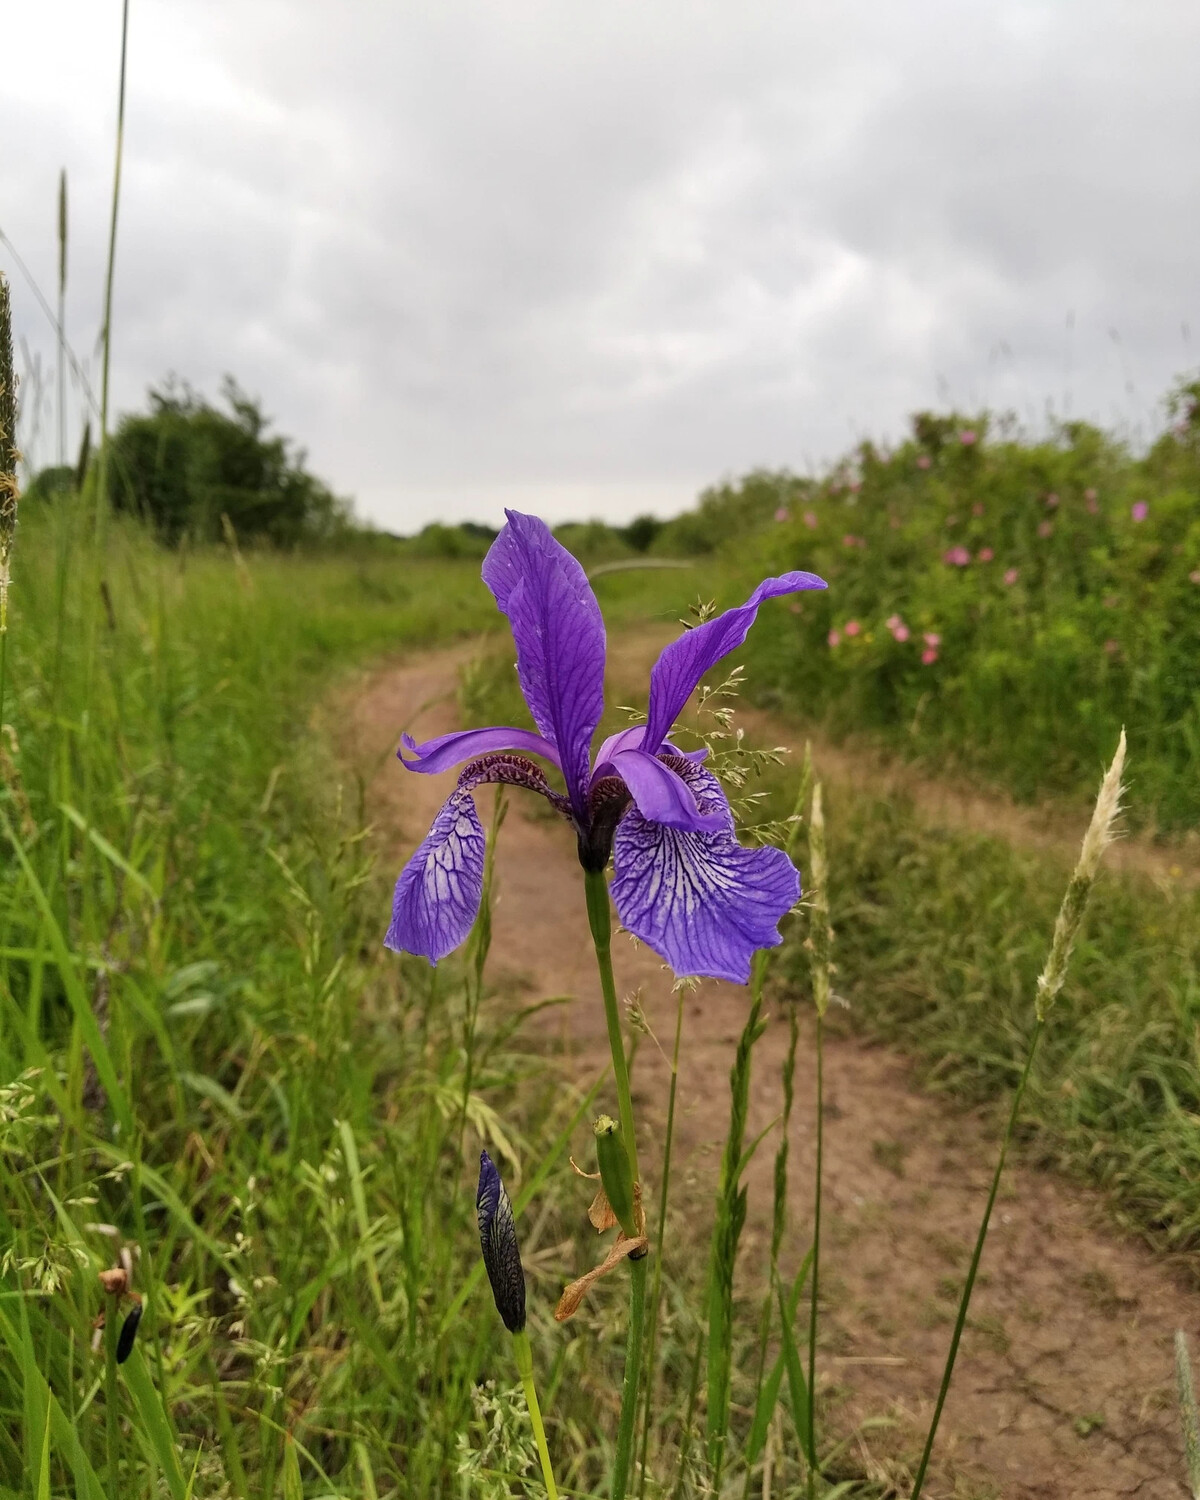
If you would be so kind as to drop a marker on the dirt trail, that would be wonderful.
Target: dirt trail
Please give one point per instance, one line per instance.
(1064, 1385)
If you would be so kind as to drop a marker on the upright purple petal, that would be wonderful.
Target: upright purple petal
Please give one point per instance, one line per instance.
(439, 890)
(662, 796)
(559, 635)
(700, 900)
(449, 750)
(684, 662)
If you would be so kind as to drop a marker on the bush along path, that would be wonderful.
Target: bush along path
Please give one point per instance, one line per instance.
(1064, 1384)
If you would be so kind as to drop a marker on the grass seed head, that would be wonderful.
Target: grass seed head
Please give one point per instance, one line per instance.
(1188, 1416)
(820, 942)
(1070, 916)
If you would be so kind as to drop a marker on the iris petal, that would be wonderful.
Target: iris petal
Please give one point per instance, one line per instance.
(662, 796)
(559, 635)
(438, 894)
(449, 750)
(700, 900)
(684, 662)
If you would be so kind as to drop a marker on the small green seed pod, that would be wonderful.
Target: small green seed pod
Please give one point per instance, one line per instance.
(616, 1175)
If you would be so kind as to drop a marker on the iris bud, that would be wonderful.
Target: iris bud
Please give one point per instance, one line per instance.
(128, 1333)
(498, 1240)
(616, 1174)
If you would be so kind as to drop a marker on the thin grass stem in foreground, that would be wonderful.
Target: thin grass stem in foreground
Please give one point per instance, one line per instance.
(727, 1229)
(663, 1198)
(1066, 929)
(820, 946)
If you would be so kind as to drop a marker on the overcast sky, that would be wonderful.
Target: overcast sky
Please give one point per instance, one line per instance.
(587, 258)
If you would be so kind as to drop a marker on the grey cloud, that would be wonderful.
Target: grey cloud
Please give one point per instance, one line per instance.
(600, 255)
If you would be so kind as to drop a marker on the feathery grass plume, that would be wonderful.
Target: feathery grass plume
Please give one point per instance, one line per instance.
(1188, 1415)
(9, 455)
(1066, 929)
(1095, 841)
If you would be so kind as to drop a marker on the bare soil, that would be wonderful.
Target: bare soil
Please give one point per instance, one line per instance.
(1064, 1385)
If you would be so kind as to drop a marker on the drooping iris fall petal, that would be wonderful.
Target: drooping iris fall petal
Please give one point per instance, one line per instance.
(700, 900)
(438, 894)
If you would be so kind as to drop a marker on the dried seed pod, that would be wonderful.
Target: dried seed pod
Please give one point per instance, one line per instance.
(114, 1281)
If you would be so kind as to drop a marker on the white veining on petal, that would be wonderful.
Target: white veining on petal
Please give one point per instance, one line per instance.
(700, 900)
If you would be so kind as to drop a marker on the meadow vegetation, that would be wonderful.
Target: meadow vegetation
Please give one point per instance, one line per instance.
(995, 604)
(208, 1063)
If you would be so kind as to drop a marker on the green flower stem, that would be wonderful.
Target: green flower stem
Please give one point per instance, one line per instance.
(969, 1284)
(524, 1355)
(664, 1195)
(816, 1264)
(600, 921)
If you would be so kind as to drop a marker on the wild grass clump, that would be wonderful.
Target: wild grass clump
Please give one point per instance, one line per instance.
(941, 939)
(204, 1061)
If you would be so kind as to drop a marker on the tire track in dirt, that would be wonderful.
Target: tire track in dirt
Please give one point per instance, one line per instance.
(1064, 1385)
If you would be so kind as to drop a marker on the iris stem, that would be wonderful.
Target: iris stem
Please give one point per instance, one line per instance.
(600, 922)
(814, 1305)
(663, 1198)
(525, 1369)
(969, 1284)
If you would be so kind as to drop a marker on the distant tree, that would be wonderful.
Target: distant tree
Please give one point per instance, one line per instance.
(186, 463)
(641, 531)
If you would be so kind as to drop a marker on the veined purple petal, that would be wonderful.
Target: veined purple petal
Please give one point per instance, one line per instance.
(559, 634)
(439, 890)
(449, 750)
(631, 739)
(624, 739)
(662, 796)
(700, 900)
(684, 662)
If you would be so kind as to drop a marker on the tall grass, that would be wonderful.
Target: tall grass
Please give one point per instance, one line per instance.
(274, 1120)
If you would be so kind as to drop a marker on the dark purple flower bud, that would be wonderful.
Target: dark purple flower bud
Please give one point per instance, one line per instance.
(498, 1240)
(128, 1333)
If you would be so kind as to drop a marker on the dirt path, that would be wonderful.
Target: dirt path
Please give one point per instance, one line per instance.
(1064, 1385)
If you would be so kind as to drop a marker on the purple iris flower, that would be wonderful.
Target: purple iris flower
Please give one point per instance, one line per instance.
(682, 883)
